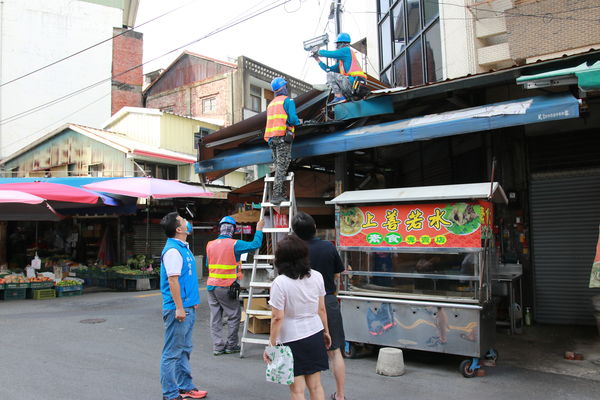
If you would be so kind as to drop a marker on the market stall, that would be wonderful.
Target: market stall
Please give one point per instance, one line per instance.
(420, 265)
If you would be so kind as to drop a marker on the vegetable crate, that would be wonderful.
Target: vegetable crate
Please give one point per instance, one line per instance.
(13, 294)
(42, 285)
(23, 285)
(43, 294)
(65, 291)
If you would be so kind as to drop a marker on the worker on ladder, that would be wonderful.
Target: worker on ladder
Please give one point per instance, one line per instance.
(345, 78)
(223, 259)
(279, 134)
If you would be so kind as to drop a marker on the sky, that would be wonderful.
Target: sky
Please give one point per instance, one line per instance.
(273, 38)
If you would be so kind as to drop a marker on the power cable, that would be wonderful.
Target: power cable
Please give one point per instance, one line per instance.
(214, 32)
(94, 45)
(58, 121)
(304, 70)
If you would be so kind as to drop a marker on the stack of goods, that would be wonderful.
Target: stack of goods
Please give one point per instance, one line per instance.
(15, 287)
(68, 287)
(41, 288)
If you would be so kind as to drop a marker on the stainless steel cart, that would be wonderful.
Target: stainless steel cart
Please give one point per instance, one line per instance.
(421, 264)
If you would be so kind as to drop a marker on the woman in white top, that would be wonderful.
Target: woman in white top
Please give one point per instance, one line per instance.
(299, 318)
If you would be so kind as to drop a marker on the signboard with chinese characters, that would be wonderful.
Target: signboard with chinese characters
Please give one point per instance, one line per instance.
(436, 225)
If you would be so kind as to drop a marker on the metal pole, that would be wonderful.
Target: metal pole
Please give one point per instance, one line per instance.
(147, 225)
(338, 17)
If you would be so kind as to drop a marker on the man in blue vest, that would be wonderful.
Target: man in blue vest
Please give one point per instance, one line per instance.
(179, 287)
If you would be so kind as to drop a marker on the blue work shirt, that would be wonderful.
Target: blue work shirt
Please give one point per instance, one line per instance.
(240, 247)
(344, 55)
(188, 279)
(290, 108)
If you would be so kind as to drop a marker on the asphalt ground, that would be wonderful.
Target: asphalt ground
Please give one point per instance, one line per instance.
(47, 353)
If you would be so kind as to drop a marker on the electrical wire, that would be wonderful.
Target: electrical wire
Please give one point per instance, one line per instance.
(57, 121)
(271, 6)
(94, 45)
(304, 69)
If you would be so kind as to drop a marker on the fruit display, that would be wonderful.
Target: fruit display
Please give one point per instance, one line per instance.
(15, 279)
(66, 283)
(40, 279)
(15, 282)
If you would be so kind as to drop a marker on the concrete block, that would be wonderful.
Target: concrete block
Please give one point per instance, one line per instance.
(390, 362)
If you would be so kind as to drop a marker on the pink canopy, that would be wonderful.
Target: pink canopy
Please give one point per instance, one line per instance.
(148, 187)
(53, 192)
(21, 206)
(14, 196)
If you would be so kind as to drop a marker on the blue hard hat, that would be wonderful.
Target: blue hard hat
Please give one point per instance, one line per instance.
(227, 220)
(343, 38)
(278, 83)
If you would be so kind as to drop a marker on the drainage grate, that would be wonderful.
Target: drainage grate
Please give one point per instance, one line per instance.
(92, 321)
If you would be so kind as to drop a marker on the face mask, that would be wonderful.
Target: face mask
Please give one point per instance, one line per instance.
(190, 228)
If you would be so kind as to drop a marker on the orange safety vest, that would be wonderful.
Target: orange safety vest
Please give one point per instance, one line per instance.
(355, 69)
(276, 119)
(222, 265)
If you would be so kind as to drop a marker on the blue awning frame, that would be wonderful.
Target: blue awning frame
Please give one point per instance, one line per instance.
(476, 119)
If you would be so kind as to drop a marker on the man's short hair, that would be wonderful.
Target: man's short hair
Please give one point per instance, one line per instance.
(304, 226)
(170, 224)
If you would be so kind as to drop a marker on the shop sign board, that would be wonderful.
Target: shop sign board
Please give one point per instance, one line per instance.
(426, 225)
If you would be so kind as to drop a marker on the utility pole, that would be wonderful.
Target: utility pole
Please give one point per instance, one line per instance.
(341, 159)
(338, 16)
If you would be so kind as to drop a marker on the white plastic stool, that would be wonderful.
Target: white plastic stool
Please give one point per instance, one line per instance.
(390, 362)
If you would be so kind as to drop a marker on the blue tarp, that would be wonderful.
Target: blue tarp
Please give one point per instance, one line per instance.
(492, 116)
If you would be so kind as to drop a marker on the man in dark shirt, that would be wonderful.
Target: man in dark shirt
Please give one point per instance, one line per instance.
(324, 258)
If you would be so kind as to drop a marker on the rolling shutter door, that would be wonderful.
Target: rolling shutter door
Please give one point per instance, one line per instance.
(565, 215)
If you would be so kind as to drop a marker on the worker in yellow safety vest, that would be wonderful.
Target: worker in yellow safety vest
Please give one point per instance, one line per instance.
(223, 259)
(279, 134)
(346, 78)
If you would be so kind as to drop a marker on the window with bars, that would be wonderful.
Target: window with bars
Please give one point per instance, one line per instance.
(209, 105)
(199, 135)
(255, 98)
(410, 46)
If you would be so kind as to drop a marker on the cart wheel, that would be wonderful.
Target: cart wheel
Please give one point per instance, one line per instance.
(466, 370)
(492, 355)
(349, 350)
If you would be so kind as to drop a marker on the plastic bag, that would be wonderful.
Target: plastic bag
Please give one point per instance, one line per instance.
(281, 368)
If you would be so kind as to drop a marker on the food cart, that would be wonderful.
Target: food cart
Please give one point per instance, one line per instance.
(420, 265)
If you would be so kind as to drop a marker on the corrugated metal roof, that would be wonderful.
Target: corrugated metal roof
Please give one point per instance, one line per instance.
(469, 191)
(115, 140)
(155, 111)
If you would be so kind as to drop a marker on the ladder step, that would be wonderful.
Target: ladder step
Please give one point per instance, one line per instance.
(272, 178)
(260, 284)
(255, 340)
(282, 204)
(277, 230)
(258, 266)
(264, 257)
(245, 295)
(258, 312)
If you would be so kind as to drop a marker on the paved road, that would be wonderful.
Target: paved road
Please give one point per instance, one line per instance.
(47, 353)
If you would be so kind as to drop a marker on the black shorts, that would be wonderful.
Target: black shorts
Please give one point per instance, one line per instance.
(334, 322)
(310, 355)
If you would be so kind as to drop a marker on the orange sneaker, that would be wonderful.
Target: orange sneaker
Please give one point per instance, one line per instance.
(193, 394)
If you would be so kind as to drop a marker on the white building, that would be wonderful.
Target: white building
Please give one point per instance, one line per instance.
(35, 33)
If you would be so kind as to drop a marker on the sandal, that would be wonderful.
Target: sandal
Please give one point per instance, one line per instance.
(333, 396)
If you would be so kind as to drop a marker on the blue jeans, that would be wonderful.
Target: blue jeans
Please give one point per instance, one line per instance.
(175, 371)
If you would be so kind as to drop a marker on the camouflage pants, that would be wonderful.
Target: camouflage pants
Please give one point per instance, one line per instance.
(282, 156)
(339, 84)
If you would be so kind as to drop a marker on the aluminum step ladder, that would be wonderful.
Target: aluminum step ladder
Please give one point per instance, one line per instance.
(265, 261)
